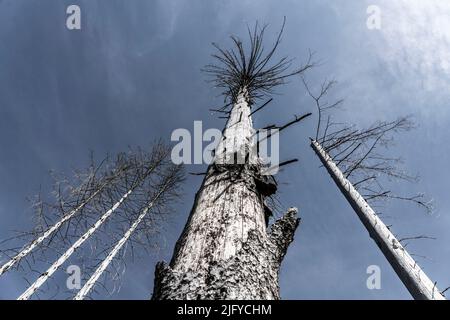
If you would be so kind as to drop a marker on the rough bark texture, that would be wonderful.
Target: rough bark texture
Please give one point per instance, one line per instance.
(225, 251)
(410, 273)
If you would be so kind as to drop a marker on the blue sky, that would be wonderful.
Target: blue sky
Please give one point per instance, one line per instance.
(132, 74)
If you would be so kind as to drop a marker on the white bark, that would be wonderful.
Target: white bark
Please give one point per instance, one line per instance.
(230, 209)
(410, 273)
(22, 254)
(224, 251)
(105, 263)
(45, 276)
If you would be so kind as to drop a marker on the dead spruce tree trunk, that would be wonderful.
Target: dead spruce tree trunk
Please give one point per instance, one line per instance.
(35, 243)
(359, 164)
(134, 193)
(409, 272)
(88, 194)
(66, 255)
(163, 192)
(225, 251)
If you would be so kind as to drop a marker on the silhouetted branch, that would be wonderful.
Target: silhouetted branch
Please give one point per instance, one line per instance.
(265, 104)
(252, 69)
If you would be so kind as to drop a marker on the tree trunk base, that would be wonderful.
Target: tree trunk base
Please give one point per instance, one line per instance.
(251, 274)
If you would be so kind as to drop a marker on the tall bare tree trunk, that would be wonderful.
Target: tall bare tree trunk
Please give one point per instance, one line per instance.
(410, 273)
(50, 231)
(225, 251)
(109, 258)
(166, 186)
(66, 255)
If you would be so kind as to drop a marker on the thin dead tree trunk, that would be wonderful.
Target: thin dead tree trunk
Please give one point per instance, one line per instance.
(105, 263)
(35, 243)
(70, 205)
(139, 180)
(84, 291)
(66, 255)
(225, 251)
(409, 272)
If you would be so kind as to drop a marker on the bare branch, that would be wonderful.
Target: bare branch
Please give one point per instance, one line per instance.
(252, 69)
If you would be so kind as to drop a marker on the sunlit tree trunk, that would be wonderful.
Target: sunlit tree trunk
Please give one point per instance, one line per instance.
(409, 272)
(225, 251)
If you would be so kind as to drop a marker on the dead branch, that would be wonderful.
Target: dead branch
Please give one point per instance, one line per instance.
(252, 69)
(96, 190)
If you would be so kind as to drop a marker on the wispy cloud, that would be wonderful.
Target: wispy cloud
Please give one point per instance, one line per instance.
(417, 40)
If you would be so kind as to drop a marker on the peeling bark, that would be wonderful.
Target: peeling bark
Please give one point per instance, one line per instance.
(225, 251)
(251, 273)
